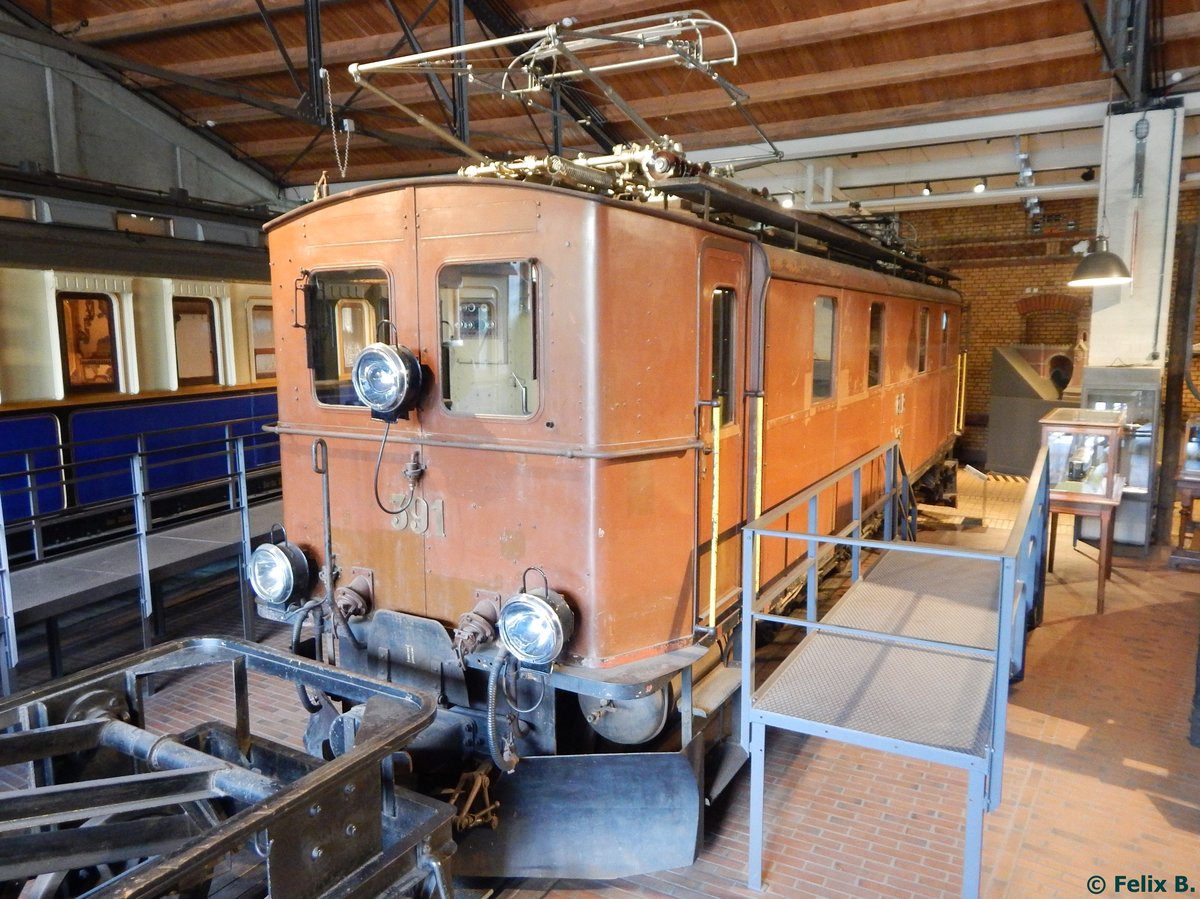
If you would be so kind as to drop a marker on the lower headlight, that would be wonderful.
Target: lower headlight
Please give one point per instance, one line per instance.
(278, 571)
(534, 627)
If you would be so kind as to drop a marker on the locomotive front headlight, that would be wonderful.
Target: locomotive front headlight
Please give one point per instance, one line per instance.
(386, 379)
(278, 571)
(534, 627)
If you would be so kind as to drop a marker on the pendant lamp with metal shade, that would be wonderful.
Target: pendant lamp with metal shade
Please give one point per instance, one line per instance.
(1100, 267)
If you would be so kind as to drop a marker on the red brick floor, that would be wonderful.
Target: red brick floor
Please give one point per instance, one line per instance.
(1100, 779)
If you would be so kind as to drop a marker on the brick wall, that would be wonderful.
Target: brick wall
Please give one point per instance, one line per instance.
(1003, 259)
(1189, 216)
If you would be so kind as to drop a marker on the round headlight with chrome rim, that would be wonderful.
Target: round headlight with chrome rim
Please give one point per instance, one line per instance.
(534, 626)
(278, 572)
(387, 379)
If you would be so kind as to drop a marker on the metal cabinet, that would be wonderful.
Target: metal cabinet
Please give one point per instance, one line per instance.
(1134, 391)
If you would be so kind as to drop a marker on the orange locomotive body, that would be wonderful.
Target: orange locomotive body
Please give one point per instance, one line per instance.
(574, 395)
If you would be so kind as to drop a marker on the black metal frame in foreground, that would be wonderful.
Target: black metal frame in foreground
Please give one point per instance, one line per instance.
(165, 810)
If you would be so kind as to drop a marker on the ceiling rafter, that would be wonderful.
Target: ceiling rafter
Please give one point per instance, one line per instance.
(813, 74)
(798, 87)
(873, 20)
(142, 23)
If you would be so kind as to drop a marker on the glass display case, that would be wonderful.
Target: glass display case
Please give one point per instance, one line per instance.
(1134, 391)
(1084, 453)
(1189, 459)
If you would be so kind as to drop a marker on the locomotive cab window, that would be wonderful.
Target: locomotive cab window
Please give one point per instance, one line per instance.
(488, 341)
(945, 338)
(87, 322)
(923, 340)
(875, 347)
(195, 340)
(824, 340)
(343, 309)
(724, 309)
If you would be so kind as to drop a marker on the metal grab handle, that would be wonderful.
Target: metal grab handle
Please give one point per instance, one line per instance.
(320, 456)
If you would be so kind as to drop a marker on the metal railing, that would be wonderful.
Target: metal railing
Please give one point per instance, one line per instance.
(1019, 584)
(221, 471)
(87, 497)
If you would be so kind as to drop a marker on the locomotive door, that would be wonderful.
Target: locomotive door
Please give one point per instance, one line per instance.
(722, 412)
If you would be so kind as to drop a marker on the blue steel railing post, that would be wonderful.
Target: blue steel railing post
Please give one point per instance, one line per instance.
(977, 806)
(239, 454)
(34, 512)
(753, 733)
(749, 601)
(856, 513)
(141, 513)
(143, 470)
(813, 564)
(235, 466)
(8, 663)
(889, 491)
(1009, 589)
(913, 511)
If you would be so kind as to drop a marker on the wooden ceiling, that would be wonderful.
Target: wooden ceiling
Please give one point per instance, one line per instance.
(237, 69)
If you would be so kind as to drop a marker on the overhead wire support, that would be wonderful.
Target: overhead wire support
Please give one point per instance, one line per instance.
(550, 60)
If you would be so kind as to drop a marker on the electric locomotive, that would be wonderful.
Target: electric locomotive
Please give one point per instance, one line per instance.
(524, 491)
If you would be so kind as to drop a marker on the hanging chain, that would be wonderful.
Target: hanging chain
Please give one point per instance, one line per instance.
(343, 161)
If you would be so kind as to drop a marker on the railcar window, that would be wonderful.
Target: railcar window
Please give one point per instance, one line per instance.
(923, 340)
(875, 347)
(89, 349)
(724, 310)
(824, 333)
(342, 311)
(488, 313)
(945, 338)
(17, 208)
(195, 340)
(140, 223)
(262, 341)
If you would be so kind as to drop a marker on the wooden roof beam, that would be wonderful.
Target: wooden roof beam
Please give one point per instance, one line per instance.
(903, 14)
(138, 24)
(858, 78)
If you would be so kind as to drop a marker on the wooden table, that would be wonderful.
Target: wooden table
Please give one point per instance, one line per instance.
(1101, 507)
(1186, 554)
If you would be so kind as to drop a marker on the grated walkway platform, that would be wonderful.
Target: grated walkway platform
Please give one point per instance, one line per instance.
(62, 584)
(41, 593)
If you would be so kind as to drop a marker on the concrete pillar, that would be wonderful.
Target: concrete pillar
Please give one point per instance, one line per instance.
(1141, 198)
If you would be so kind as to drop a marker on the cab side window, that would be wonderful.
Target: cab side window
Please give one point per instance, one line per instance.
(724, 314)
(875, 347)
(824, 344)
(342, 310)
